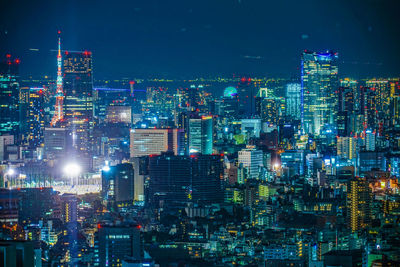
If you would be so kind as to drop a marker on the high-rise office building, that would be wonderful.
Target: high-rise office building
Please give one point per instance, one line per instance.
(252, 160)
(139, 169)
(347, 147)
(103, 98)
(55, 142)
(247, 90)
(32, 115)
(272, 109)
(145, 142)
(319, 81)
(182, 179)
(358, 204)
(382, 89)
(9, 96)
(119, 114)
(293, 100)
(5, 140)
(78, 102)
(346, 111)
(369, 108)
(69, 208)
(353, 86)
(201, 135)
(116, 243)
(370, 137)
(118, 185)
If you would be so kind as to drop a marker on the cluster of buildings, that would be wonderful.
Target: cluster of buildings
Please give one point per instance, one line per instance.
(243, 171)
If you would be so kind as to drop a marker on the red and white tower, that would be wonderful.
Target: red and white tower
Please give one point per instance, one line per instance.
(58, 112)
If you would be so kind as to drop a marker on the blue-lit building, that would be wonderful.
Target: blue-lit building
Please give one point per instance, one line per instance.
(319, 84)
(368, 160)
(293, 100)
(201, 135)
(294, 161)
(9, 96)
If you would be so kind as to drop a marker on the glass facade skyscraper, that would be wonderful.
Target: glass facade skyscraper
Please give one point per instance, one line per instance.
(201, 135)
(319, 81)
(78, 100)
(293, 100)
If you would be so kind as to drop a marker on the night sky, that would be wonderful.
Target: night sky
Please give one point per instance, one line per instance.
(203, 38)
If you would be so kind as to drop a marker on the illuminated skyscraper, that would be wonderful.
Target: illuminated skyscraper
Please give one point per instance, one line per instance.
(273, 109)
(319, 81)
(369, 108)
(69, 208)
(32, 115)
(252, 160)
(201, 135)
(358, 204)
(78, 104)
(370, 140)
(293, 100)
(9, 96)
(145, 142)
(347, 147)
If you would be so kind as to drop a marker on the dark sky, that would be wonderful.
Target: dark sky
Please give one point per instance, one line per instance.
(201, 38)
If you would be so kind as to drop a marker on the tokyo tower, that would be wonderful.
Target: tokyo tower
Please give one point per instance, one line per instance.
(58, 112)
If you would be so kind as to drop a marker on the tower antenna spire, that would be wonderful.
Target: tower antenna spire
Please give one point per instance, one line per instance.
(58, 111)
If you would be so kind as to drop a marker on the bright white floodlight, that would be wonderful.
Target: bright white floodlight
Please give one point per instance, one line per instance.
(10, 172)
(72, 169)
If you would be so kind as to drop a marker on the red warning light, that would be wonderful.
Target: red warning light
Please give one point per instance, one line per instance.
(66, 52)
(59, 32)
(8, 56)
(17, 61)
(131, 82)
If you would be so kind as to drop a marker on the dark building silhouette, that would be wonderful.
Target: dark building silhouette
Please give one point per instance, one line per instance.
(180, 179)
(118, 185)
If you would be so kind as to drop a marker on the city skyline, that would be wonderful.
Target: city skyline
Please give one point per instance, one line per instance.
(242, 133)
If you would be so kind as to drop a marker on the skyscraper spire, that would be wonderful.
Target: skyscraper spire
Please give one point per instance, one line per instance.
(58, 112)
